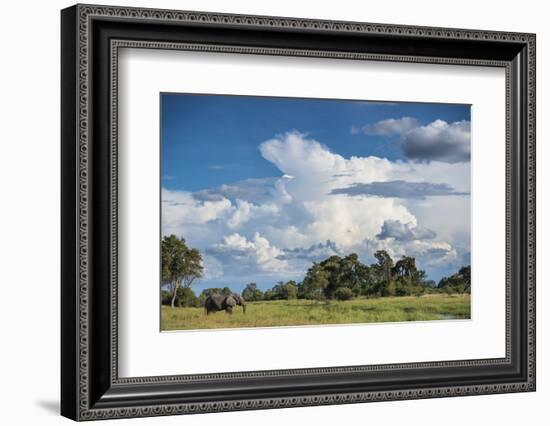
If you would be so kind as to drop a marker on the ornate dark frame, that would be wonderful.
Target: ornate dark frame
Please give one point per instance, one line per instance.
(91, 37)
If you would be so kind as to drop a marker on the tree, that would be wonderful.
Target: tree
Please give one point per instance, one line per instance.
(385, 264)
(270, 295)
(405, 269)
(353, 274)
(282, 291)
(384, 282)
(340, 272)
(332, 268)
(457, 283)
(180, 264)
(252, 293)
(465, 273)
(370, 280)
(315, 282)
(289, 290)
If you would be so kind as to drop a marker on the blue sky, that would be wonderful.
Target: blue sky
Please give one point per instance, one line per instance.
(263, 186)
(222, 133)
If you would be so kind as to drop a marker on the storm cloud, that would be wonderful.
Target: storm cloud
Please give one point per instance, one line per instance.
(314, 252)
(404, 231)
(258, 189)
(398, 189)
(438, 141)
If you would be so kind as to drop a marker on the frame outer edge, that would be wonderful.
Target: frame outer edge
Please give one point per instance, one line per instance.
(69, 221)
(81, 318)
(83, 61)
(531, 201)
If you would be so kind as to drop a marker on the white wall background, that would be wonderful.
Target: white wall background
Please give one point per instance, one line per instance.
(29, 216)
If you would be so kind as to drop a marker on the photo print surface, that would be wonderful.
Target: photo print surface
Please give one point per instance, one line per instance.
(299, 212)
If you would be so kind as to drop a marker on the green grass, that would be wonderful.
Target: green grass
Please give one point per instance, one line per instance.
(307, 312)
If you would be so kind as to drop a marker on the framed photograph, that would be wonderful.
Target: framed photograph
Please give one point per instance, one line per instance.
(263, 212)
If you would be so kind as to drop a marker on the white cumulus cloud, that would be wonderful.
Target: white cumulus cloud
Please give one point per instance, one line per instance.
(243, 211)
(275, 226)
(180, 210)
(258, 251)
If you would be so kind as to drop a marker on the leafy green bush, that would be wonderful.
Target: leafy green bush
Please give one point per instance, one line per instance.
(165, 297)
(420, 291)
(457, 283)
(252, 293)
(343, 293)
(185, 298)
(269, 295)
(388, 289)
(402, 289)
(289, 290)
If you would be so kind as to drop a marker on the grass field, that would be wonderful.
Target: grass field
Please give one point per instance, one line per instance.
(307, 312)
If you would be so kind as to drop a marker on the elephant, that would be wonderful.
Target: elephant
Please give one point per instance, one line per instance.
(220, 302)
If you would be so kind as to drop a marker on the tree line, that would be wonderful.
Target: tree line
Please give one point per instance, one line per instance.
(335, 278)
(344, 278)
